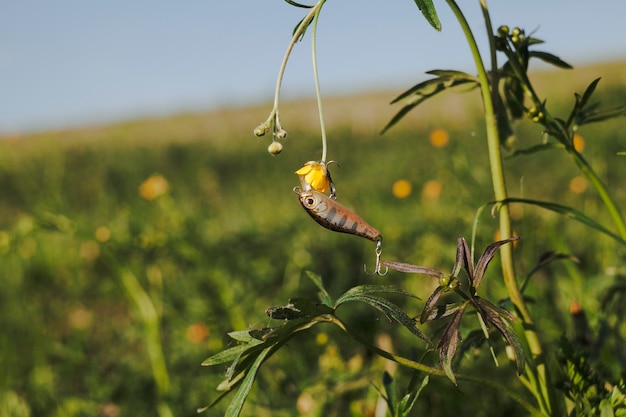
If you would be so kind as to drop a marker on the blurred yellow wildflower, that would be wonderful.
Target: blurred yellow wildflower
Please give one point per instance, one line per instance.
(578, 142)
(314, 175)
(155, 186)
(401, 189)
(432, 190)
(578, 184)
(439, 137)
(103, 234)
(197, 333)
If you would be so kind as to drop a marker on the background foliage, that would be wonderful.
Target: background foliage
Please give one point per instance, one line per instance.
(194, 210)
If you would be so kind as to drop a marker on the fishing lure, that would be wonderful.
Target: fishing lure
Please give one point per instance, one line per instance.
(334, 216)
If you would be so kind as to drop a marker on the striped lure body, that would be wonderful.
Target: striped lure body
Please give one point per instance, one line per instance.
(335, 216)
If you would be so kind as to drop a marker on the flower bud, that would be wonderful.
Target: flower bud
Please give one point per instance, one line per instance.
(275, 148)
(261, 129)
(503, 30)
(280, 134)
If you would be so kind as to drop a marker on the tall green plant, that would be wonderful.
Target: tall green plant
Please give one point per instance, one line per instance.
(507, 95)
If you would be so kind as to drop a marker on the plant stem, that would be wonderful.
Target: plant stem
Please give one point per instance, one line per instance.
(152, 336)
(500, 191)
(294, 39)
(316, 78)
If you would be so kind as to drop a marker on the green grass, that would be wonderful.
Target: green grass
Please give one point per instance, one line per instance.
(229, 240)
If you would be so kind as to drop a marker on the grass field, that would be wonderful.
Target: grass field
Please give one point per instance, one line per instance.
(128, 252)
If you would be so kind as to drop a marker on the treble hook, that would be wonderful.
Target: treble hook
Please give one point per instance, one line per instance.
(379, 251)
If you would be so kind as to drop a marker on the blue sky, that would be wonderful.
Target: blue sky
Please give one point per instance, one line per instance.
(67, 63)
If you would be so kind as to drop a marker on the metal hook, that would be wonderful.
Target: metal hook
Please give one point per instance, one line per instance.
(377, 270)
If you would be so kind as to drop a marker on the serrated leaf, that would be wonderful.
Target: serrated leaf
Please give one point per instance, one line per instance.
(448, 344)
(323, 294)
(485, 259)
(569, 212)
(463, 258)
(354, 293)
(501, 320)
(550, 59)
(428, 11)
(389, 309)
(439, 311)
(412, 269)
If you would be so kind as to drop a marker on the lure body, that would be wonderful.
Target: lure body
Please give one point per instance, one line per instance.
(335, 216)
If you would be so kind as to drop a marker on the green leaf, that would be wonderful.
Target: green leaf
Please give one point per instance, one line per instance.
(428, 11)
(514, 96)
(569, 212)
(234, 408)
(226, 355)
(389, 309)
(306, 26)
(427, 89)
(243, 336)
(581, 102)
(550, 59)
(293, 3)
(413, 392)
(353, 294)
(323, 294)
(392, 396)
(591, 88)
(600, 115)
(534, 149)
(298, 308)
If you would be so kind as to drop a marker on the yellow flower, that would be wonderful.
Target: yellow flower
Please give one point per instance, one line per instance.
(401, 189)
(314, 175)
(153, 187)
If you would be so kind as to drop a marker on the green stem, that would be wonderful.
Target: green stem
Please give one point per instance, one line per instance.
(500, 191)
(152, 335)
(318, 93)
(603, 192)
(294, 39)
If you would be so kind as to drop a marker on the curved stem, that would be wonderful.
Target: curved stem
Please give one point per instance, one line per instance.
(500, 191)
(294, 39)
(316, 78)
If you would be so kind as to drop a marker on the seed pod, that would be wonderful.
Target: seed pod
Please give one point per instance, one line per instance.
(334, 216)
